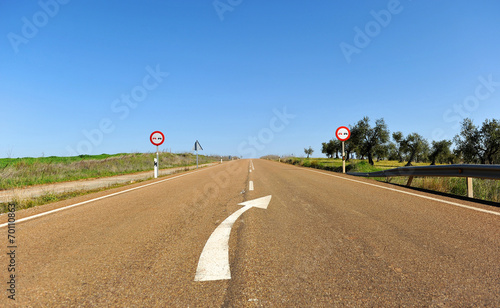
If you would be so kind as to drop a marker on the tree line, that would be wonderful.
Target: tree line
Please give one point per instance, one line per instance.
(474, 144)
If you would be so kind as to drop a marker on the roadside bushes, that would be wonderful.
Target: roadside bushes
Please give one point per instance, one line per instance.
(355, 166)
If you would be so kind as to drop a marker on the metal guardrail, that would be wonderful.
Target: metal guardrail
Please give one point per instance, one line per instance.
(467, 171)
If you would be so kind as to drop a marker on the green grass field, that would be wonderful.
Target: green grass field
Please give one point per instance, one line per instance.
(488, 190)
(378, 165)
(22, 172)
(353, 165)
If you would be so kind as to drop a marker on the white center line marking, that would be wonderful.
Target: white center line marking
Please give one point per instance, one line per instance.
(214, 259)
(250, 185)
(412, 194)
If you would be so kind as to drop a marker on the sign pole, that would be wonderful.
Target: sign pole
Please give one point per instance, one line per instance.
(343, 158)
(156, 163)
(197, 146)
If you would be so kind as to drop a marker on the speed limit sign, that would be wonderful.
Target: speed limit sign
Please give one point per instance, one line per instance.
(157, 138)
(343, 133)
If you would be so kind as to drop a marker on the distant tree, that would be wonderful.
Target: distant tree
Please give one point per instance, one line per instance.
(381, 151)
(441, 152)
(349, 147)
(457, 154)
(415, 145)
(337, 147)
(490, 137)
(468, 142)
(423, 154)
(367, 138)
(479, 145)
(400, 145)
(331, 147)
(308, 151)
(325, 149)
(496, 158)
(355, 140)
(393, 151)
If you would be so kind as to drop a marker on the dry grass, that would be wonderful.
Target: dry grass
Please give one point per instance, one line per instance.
(484, 189)
(25, 203)
(22, 172)
(49, 197)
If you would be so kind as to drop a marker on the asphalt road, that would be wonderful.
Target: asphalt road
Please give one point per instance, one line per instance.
(324, 240)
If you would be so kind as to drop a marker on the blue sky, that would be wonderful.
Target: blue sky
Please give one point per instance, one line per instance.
(245, 78)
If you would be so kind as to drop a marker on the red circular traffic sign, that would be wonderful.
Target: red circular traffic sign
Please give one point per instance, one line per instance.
(157, 138)
(343, 133)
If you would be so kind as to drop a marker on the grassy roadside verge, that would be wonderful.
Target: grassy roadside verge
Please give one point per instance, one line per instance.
(22, 204)
(50, 197)
(22, 172)
(488, 190)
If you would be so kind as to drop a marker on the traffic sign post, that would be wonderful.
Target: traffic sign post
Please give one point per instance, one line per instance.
(343, 134)
(156, 138)
(196, 147)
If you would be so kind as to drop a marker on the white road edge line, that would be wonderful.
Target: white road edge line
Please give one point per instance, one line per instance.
(99, 198)
(412, 194)
(214, 259)
(250, 185)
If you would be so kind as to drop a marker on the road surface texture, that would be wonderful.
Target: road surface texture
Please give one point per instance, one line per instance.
(325, 240)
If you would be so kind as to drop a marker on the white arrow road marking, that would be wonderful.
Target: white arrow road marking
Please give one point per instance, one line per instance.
(214, 259)
(250, 185)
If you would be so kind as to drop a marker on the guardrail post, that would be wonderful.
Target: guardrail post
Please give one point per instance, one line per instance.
(410, 179)
(463, 171)
(470, 190)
